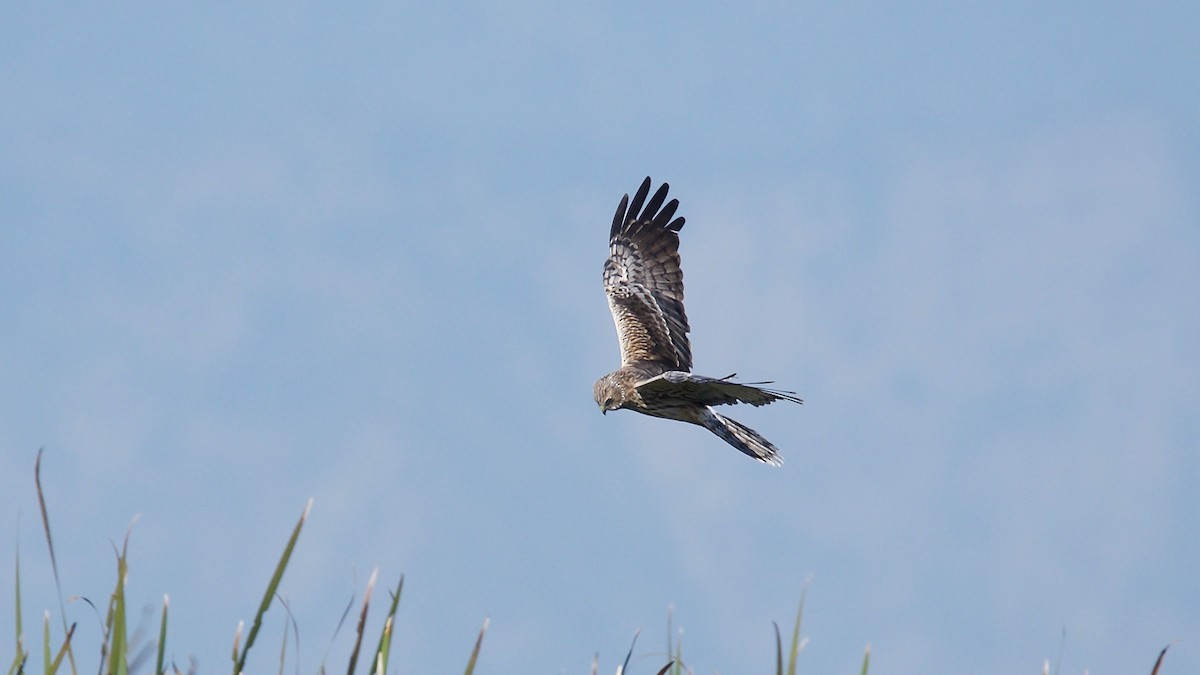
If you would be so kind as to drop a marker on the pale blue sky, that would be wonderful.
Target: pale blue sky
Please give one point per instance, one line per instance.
(255, 255)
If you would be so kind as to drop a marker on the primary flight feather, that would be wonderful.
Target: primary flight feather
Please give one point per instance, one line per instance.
(644, 283)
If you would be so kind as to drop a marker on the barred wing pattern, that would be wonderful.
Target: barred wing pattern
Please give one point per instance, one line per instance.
(678, 387)
(644, 282)
(644, 285)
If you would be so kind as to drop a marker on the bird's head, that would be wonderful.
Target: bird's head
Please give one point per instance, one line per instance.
(609, 394)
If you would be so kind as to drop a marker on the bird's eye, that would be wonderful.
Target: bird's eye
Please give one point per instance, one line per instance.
(607, 401)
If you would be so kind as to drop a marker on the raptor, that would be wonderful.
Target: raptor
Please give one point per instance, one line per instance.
(644, 283)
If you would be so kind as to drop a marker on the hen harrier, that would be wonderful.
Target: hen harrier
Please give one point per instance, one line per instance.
(645, 293)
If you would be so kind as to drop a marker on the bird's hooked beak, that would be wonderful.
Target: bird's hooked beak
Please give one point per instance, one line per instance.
(603, 410)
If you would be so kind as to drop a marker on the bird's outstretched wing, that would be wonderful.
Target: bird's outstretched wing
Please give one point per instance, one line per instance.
(644, 282)
(676, 387)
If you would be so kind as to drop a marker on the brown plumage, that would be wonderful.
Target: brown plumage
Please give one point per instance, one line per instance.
(644, 283)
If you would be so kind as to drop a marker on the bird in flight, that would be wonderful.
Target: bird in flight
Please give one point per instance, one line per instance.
(644, 284)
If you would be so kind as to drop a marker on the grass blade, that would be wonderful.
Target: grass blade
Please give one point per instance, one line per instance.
(46, 658)
(283, 643)
(17, 601)
(289, 623)
(385, 639)
(778, 650)
(671, 634)
(796, 643)
(1158, 663)
(159, 665)
(678, 661)
(62, 606)
(118, 636)
(667, 667)
(18, 664)
(475, 652)
(270, 594)
(333, 638)
(362, 621)
(866, 660)
(629, 654)
(62, 651)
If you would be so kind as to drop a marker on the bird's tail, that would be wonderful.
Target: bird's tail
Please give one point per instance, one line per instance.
(742, 437)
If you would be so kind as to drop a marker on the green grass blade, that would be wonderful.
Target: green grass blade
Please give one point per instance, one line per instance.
(18, 664)
(108, 622)
(270, 594)
(678, 660)
(671, 634)
(17, 598)
(475, 652)
(160, 660)
(385, 638)
(118, 642)
(380, 663)
(62, 606)
(778, 650)
(797, 645)
(62, 651)
(866, 660)
(18, 653)
(362, 621)
(46, 658)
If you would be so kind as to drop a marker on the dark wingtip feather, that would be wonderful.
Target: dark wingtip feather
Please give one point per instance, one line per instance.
(778, 394)
(663, 217)
(619, 217)
(641, 211)
(638, 199)
(783, 395)
(649, 213)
